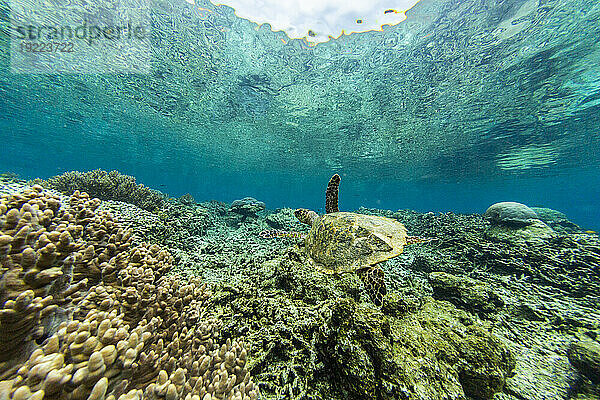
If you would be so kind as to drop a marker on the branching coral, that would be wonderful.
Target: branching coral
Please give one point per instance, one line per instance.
(106, 186)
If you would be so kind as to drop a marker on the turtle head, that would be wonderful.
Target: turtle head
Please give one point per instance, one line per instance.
(306, 216)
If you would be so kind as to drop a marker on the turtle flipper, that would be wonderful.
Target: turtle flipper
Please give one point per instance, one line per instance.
(374, 281)
(305, 216)
(331, 195)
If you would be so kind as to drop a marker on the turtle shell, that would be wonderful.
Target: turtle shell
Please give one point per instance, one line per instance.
(347, 242)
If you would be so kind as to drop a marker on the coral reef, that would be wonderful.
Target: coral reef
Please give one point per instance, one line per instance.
(280, 306)
(187, 199)
(549, 289)
(435, 352)
(87, 314)
(106, 186)
(535, 232)
(568, 262)
(282, 218)
(556, 220)
(217, 208)
(318, 341)
(40, 252)
(106, 314)
(176, 226)
(466, 293)
(7, 177)
(515, 223)
(247, 207)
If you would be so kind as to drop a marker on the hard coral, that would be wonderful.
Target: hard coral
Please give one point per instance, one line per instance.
(136, 333)
(510, 213)
(40, 243)
(247, 207)
(106, 186)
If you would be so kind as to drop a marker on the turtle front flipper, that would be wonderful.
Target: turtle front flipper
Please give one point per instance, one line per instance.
(331, 195)
(374, 280)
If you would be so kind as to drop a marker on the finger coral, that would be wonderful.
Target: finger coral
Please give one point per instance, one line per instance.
(87, 315)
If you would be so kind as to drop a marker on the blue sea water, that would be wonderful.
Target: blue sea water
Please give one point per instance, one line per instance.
(464, 104)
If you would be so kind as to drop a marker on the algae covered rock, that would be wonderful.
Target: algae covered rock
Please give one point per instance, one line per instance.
(317, 336)
(585, 356)
(536, 232)
(437, 353)
(510, 213)
(465, 292)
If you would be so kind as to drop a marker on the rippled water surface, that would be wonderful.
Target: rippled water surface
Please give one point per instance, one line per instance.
(463, 104)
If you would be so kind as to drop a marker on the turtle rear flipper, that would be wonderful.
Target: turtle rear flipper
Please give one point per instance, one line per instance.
(374, 281)
(331, 194)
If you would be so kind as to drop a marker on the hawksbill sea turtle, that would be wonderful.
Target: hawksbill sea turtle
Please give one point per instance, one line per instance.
(340, 242)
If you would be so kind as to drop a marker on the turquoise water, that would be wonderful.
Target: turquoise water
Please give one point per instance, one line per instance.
(464, 104)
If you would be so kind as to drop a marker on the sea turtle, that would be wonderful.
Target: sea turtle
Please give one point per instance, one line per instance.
(340, 242)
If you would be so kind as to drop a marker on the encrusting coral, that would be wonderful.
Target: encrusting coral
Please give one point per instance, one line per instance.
(106, 186)
(87, 315)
